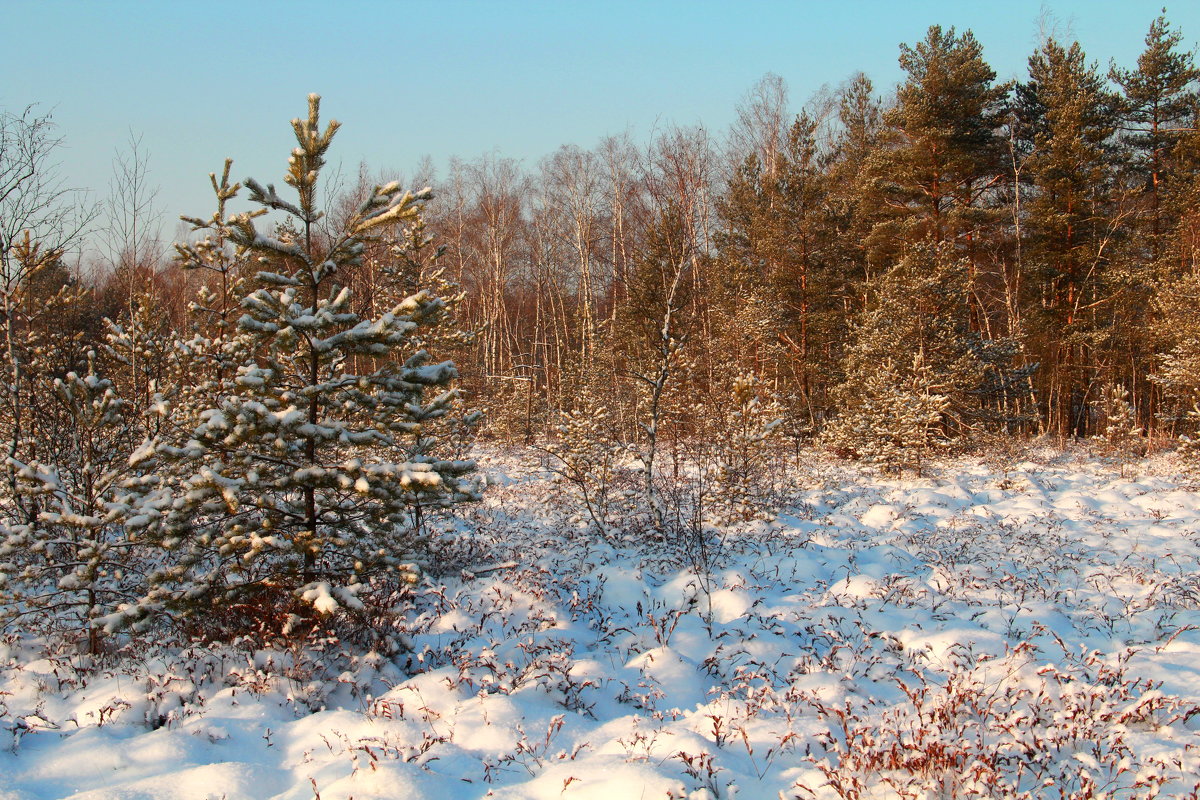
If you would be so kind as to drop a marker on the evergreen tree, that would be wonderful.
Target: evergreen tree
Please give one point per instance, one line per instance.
(1177, 368)
(1160, 124)
(224, 272)
(143, 360)
(586, 452)
(746, 473)
(1159, 105)
(1070, 226)
(933, 182)
(73, 564)
(304, 479)
(853, 206)
(43, 334)
(916, 374)
(778, 299)
(892, 416)
(1120, 434)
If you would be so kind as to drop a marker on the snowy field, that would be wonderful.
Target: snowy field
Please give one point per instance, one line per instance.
(976, 632)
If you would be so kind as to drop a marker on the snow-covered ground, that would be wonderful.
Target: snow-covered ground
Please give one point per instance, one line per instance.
(974, 633)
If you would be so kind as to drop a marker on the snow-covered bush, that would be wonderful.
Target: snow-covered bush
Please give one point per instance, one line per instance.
(1121, 436)
(747, 456)
(918, 373)
(1013, 727)
(586, 451)
(892, 419)
(73, 564)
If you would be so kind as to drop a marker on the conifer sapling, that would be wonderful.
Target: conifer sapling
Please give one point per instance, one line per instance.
(305, 477)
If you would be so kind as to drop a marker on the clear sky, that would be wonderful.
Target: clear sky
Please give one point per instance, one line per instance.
(203, 81)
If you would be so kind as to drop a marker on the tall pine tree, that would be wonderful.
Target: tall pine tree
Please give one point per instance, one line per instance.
(1159, 104)
(1070, 226)
(933, 182)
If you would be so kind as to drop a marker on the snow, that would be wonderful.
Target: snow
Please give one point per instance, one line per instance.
(1044, 612)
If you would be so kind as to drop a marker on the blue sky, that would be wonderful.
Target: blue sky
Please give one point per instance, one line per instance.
(202, 81)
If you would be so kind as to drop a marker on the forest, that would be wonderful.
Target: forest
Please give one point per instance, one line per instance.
(290, 431)
(1020, 252)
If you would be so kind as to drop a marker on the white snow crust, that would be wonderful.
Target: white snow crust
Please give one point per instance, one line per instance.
(1046, 612)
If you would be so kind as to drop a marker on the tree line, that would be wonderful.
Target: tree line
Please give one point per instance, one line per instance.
(962, 256)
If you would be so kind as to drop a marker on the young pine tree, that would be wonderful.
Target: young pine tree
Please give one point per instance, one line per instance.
(917, 376)
(1120, 436)
(652, 333)
(73, 564)
(892, 416)
(305, 478)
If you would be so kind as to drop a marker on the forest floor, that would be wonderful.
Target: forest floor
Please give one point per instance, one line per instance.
(976, 632)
